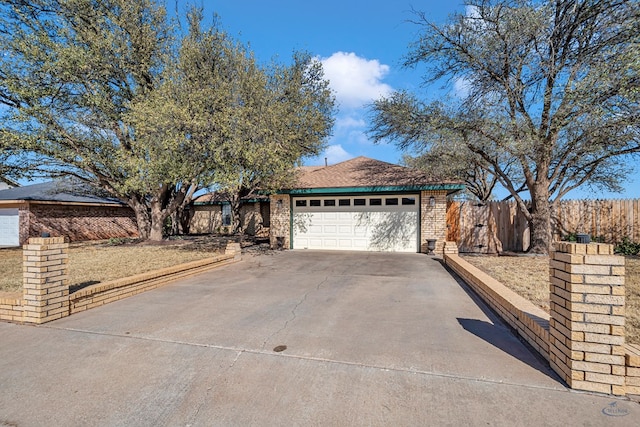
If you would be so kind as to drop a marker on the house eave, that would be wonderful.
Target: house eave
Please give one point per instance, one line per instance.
(449, 188)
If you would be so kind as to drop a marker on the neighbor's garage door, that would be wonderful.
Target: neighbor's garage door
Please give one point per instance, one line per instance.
(9, 227)
(376, 223)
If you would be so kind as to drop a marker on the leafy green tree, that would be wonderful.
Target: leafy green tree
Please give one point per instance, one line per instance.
(551, 102)
(69, 74)
(110, 92)
(285, 116)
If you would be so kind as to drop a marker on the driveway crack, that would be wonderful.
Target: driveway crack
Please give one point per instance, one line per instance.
(293, 312)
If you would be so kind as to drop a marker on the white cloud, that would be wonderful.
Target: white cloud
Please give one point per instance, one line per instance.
(472, 11)
(355, 80)
(461, 87)
(348, 122)
(336, 154)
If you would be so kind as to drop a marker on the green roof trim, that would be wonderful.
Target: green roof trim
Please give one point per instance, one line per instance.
(450, 188)
(225, 202)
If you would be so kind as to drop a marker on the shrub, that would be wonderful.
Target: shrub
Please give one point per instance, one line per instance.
(627, 247)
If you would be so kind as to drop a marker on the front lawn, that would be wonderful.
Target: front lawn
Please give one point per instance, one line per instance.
(97, 262)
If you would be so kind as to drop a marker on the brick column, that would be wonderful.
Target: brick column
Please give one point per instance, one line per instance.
(280, 227)
(45, 279)
(587, 317)
(433, 219)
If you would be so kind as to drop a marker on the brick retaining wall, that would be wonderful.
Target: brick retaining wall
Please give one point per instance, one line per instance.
(46, 289)
(583, 337)
(530, 321)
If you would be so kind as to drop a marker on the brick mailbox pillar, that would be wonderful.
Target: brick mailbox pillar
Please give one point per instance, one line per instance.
(587, 317)
(45, 279)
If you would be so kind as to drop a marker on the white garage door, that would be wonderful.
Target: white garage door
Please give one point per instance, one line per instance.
(356, 223)
(9, 227)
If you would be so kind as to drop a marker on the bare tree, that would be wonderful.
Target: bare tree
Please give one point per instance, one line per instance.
(552, 100)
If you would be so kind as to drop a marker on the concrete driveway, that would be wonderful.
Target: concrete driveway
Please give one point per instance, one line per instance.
(371, 339)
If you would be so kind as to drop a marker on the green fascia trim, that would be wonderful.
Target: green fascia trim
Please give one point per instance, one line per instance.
(226, 203)
(450, 188)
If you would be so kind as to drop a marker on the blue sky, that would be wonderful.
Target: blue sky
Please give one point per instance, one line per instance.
(361, 45)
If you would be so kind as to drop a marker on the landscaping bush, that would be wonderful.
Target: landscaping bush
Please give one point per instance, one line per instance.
(627, 247)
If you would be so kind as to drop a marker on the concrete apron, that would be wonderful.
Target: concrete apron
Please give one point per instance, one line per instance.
(371, 339)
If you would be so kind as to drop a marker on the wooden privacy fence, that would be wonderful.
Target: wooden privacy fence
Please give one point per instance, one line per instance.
(495, 227)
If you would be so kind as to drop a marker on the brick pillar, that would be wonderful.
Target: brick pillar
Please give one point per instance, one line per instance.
(280, 227)
(45, 279)
(587, 317)
(433, 219)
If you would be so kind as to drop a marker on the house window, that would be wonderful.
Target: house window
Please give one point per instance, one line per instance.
(329, 202)
(301, 203)
(226, 215)
(359, 202)
(375, 202)
(314, 203)
(408, 200)
(391, 202)
(344, 202)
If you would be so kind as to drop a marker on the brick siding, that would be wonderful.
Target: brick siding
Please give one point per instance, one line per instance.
(433, 219)
(280, 220)
(206, 219)
(77, 223)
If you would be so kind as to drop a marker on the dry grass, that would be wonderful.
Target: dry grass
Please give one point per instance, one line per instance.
(528, 276)
(91, 263)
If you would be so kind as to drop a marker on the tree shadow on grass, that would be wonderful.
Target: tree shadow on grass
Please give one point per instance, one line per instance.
(79, 286)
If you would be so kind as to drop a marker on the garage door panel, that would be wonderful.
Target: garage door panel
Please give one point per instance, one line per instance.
(381, 228)
(345, 243)
(9, 227)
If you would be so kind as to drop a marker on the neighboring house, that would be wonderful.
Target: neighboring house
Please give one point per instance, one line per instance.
(62, 208)
(361, 204)
(212, 213)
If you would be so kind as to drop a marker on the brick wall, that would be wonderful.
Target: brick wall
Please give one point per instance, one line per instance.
(632, 362)
(115, 290)
(11, 309)
(77, 222)
(280, 226)
(583, 337)
(206, 219)
(251, 218)
(433, 219)
(46, 294)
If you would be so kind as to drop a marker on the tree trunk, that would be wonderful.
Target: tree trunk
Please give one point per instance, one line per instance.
(540, 222)
(236, 224)
(158, 215)
(143, 219)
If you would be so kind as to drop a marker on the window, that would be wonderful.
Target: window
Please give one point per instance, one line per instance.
(408, 200)
(375, 202)
(359, 202)
(329, 202)
(301, 203)
(391, 202)
(226, 215)
(344, 202)
(314, 203)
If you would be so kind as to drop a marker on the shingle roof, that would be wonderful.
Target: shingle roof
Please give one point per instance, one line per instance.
(364, 172)
(63, 190)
